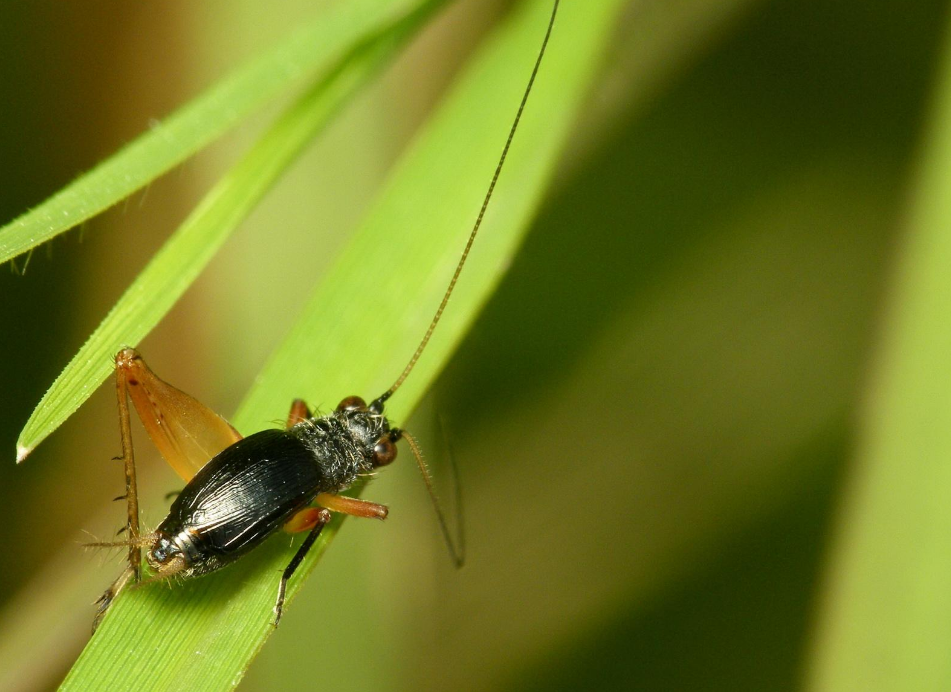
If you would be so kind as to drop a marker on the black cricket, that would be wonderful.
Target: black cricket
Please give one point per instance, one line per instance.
(254, 486)
(259, 484)
(251, 489)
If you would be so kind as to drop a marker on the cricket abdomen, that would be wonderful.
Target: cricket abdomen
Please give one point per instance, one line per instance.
(239, 498)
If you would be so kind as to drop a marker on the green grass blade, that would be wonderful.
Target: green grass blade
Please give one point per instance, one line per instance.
(362, 324)
(310, 51)
(885, 620)
(187, 252)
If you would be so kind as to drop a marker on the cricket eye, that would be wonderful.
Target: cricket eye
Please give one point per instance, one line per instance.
(352, 403)
(384, 452)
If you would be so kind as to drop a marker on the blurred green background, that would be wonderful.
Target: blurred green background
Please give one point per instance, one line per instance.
(656, 417)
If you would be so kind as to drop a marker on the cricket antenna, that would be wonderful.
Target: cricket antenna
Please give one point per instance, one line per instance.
(378, 403)
(457, 546)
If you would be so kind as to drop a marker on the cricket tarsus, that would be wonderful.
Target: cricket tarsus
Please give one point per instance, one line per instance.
(131, 496)
(104, 601)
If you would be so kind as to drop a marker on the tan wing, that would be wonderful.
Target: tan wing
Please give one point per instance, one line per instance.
(186, 432)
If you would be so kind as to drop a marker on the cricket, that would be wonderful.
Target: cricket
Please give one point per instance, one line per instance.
(241, 490)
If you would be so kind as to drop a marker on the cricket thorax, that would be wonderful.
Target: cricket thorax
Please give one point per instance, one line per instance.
(344, 443)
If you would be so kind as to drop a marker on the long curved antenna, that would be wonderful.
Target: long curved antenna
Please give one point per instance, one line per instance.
(478, 222)
(457, 549)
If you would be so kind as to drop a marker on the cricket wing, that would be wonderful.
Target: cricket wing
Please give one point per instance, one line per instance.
(185, 431)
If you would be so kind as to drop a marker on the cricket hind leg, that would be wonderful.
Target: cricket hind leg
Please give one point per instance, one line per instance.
(133, 572)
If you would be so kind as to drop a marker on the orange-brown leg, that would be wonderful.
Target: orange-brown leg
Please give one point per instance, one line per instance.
(131, 489)
(134, 570)
(308, 517)
(299, 412)
(304, 520)
(352, 506)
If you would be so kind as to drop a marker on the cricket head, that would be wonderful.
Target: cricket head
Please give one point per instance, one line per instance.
(370, 428)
